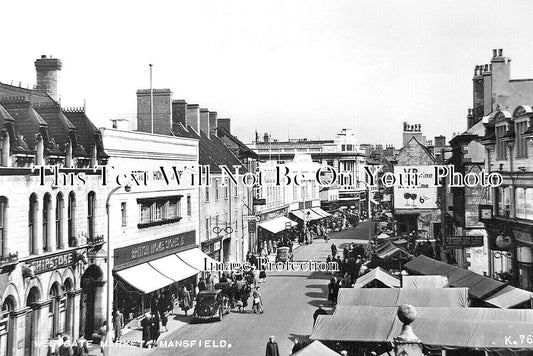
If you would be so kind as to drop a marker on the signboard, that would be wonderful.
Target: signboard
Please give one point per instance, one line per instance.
(523, 237)
(251, 218)
(458, 242)
(56, 261)
(151, 250)
(251, 227)
(259, 201)
(414, 187)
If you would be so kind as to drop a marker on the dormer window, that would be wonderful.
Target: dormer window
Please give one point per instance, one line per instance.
(501, 147)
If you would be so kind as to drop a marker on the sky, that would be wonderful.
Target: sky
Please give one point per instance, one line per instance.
(290, 68)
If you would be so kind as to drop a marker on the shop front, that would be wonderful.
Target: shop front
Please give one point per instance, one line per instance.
(272, 227)
(212, 248)
(149, 273)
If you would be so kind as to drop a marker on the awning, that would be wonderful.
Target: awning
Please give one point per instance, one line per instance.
(316, 348)
(377, 274)
(390, 250)
(424, 281)
(478, 286)
(382, 236)
(173, 267)
(277, 224)
(419, 297)
(321, 212)
(145, 278)
(374, 202)
(440, 333)
(509, 297)
(521, 315)
(197, 259)
(311, 215)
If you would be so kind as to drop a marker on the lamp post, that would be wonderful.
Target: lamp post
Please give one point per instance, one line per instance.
(109, 289)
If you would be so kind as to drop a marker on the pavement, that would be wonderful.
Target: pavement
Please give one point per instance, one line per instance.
(289, 299)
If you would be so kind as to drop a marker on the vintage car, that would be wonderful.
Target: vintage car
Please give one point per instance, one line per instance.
(211, 304)
(283, 254)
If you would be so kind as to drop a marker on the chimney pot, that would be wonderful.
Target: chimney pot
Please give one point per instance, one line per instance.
(500, 52)
(494, 53)
(486, 67)
(476, 70)
(43, 56)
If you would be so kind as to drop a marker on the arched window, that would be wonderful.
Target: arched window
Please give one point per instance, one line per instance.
(47, 204)
(71, 219)
(32, 229)
(3, 225)
(6, 329)
(53, 311)
(60, 205)
(91, 201)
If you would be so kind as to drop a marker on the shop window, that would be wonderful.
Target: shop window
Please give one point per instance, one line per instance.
(3, 220)
(46, 225)
(60, 205)
(123, 213)
(32, 218)
(71, 217)
(91, 201)
(520, 203)
(529, 203)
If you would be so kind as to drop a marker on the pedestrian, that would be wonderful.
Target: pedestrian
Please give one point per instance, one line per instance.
(257, 305)
(154, 329)
(118, 324)
(272, 347)
(318, 312)
(164, 321)
(146, 337)
(102, 332)
(331, 290)
(54, 345)
(333, 249)
(186, 300)
(81, 347)
(201, 285)
(262, 275)
(66, 347)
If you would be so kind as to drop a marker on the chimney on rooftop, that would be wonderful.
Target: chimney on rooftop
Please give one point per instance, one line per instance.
(265, 137)
(224, 124)
(48, 75)
(193, 117)
(179, 113)
(213, 122)
(204, 121)
(162, 114)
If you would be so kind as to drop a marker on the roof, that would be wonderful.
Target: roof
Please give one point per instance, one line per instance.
(440, 333)
(424, 148)
(243, 150)
(380, 275)
(212, 151)
(390, 250)
(423, 297)
(424, 281)
(316, 348)
(479, 286)
(88, 134)
(509, 297)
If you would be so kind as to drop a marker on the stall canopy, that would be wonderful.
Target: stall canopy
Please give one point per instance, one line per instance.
(440, 333)
(316, 348)
(424, 281)
(277, 224)
(509, 297)
(480, 287)
(380, 275)
(419, 297)
(390, 250)
(382, 236)
(197, 259)
(145, 278)
(520, 315)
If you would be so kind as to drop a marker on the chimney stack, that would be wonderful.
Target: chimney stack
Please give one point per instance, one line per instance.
(494, 53)
(48, 75)
(204, 121)
(162, 114)
(224, 124)
(193, 117)
(213, 122)
(500, 52)
(265, 137)
(179, 113)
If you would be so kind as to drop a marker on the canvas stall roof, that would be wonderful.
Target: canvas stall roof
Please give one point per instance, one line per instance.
(316, 348)
(509, 297)
(424, 281)
(419, 297)
(479, 286)
(520, 315)
(390, 250)
(378, 274)
(277, 224)
(440, 333)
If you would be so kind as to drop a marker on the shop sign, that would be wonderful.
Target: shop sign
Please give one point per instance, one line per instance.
(417, 191)
(251, 218)
(151, 250)
(50, 263)
(251, 227)
(457, 242)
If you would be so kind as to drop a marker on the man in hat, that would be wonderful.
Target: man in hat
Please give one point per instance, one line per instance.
(272, 347)
(318, 312)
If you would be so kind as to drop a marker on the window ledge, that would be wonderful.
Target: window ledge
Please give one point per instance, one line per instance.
(157, 223)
